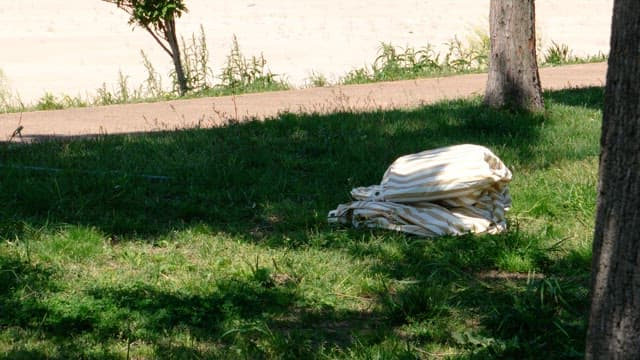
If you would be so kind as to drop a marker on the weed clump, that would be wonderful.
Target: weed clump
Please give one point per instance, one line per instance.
(561, 54)
(472, 56)
(8, 102)
(397, 63)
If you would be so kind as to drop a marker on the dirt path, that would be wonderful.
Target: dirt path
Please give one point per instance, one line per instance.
(214, 111)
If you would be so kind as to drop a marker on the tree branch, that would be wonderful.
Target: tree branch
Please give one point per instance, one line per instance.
(158, 40)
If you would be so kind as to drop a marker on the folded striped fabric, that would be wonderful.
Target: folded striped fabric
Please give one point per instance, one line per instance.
(447, 191)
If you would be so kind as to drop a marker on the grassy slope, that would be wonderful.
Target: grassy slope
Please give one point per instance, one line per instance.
(231, 256)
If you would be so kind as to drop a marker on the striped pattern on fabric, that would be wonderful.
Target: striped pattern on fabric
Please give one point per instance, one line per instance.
(447, 191)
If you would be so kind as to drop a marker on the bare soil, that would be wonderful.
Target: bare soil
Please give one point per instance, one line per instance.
(216, 111)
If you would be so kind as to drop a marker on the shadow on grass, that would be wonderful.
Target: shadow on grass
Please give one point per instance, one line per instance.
(589, 97)
(19, 283)
(532, 315)
(273, 182)
(429, 287)
(256, 316)
(254, 178)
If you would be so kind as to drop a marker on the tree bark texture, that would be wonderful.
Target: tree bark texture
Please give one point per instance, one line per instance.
(172, 39)
(614, 321)
(513, 68)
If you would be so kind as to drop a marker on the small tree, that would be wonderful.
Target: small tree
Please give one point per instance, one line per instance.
(158, 17)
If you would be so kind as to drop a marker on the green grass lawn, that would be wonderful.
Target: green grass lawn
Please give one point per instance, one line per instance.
(226, 253)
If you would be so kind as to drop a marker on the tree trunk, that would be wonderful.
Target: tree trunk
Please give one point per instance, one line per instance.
(614, 321)
(172, 39)
(513, 69)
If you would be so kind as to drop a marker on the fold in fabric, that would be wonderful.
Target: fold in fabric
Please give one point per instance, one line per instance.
(447, 191)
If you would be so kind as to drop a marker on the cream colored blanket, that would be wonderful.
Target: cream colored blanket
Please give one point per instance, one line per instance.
(447, 191)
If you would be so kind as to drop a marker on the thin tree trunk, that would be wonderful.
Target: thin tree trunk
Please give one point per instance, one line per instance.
(513, 68)
(614, 321)
(170, 34)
